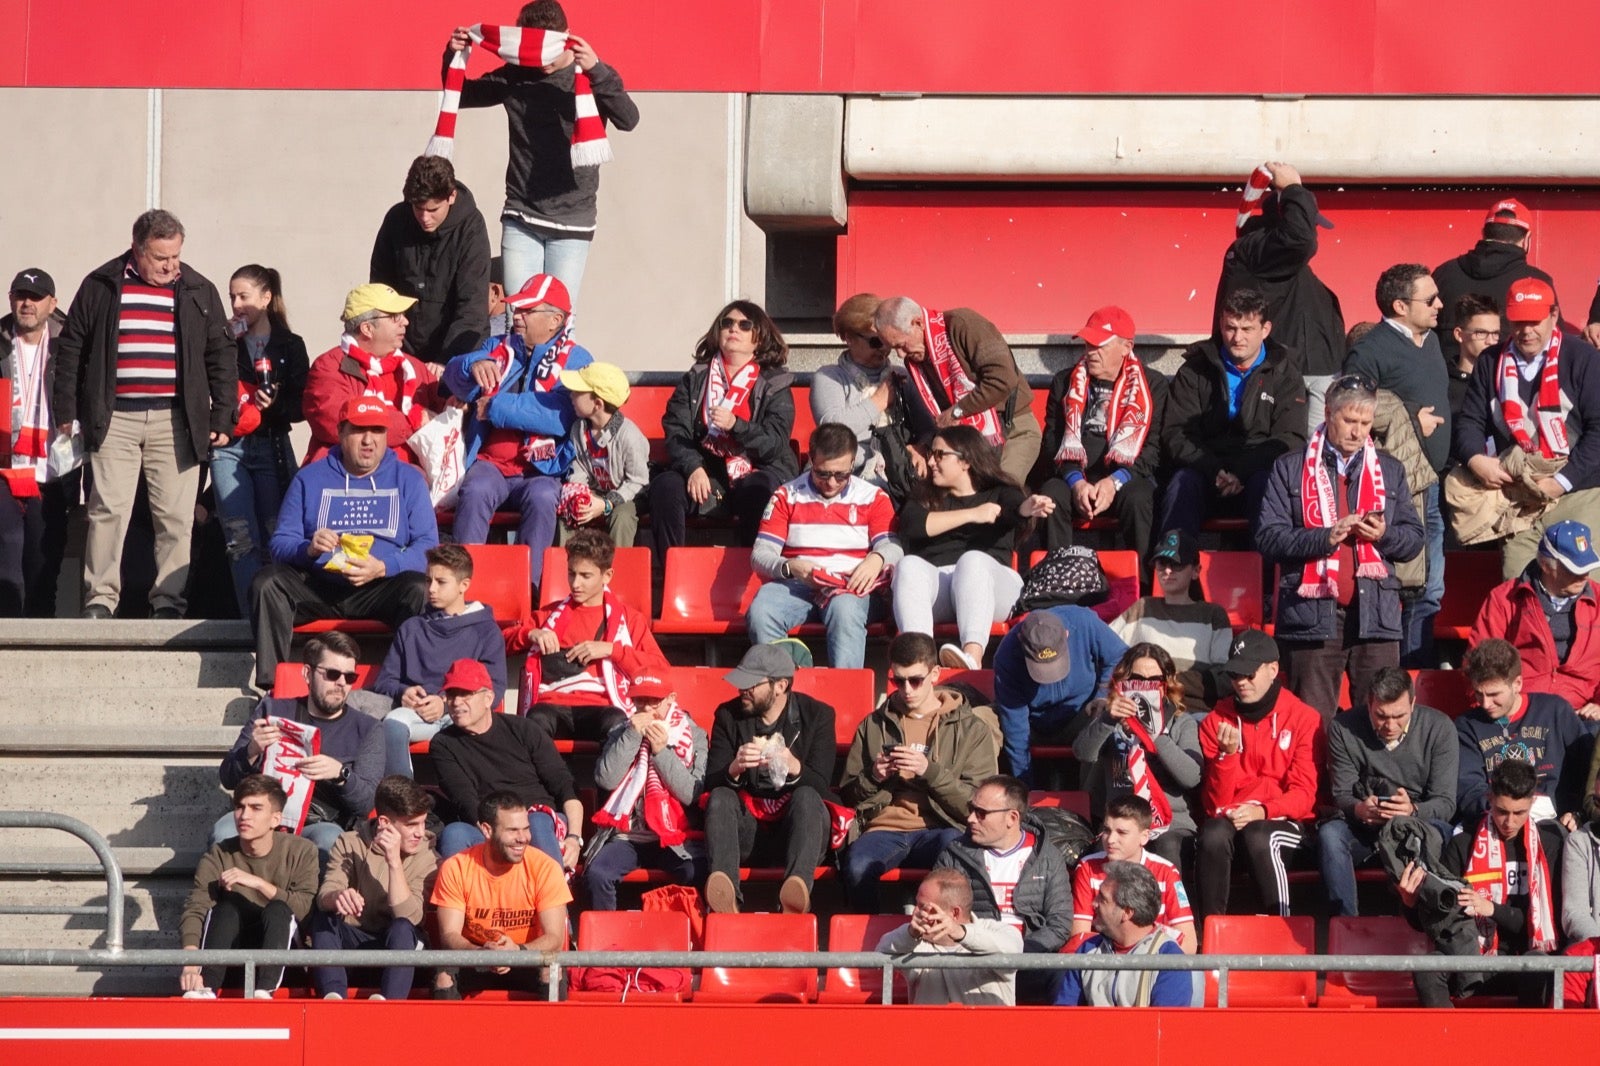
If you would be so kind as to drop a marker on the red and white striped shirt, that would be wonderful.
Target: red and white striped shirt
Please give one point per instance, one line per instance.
(147, 342)
(833, 534)
(1091, 874)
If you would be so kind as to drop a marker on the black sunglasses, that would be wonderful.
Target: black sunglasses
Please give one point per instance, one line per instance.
(1355, 382)
(330, 674)
(743, 325)
(875, 343)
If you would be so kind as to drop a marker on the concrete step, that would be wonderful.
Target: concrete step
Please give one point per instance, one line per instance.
(61, 852)
(164, 802)
(60, 981)
(42, 669)
(62, 739)
(136, 633)
(92, 708)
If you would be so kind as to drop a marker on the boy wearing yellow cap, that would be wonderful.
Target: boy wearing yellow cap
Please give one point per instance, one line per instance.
(611, 453)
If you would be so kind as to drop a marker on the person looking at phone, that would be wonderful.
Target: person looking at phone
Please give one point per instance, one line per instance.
(911, 771)
(1335, 519)
(942, 924)
(1392, 758)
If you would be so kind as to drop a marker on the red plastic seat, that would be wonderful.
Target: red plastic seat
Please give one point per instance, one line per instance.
(1385, 935)
(1260, 934)
(805, 423)
(706, 592)
(1076, 802)
(1232, 581)
(632, 931)
(630, 577)
(1445, 690)
(501, 580)
(850, 984)
(758, 932)
(1469, 578)
(647, 408)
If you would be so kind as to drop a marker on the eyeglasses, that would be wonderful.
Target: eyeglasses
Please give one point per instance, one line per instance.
(941, 454)
(330, 674)
(1434, 299)
(1484, 334)
(515, 311)
(743, 325)
(758, 684)
(837, 478)
(875, 343)
(1354, 383)
(973, 808)
(908, 680)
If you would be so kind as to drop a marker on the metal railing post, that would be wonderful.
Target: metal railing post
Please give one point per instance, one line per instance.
(888, 983)
(115, 891)
(1222, 985)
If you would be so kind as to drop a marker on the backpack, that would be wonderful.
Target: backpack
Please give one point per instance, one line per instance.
(1064, 576)
(1066, 830)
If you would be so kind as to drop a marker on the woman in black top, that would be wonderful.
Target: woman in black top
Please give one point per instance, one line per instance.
(959, 531)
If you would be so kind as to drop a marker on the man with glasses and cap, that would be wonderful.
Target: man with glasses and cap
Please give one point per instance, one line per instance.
(45, 468)
(825, 549)
(1335, 519)
(1402, 355)
(1529, 428)
(769, 768)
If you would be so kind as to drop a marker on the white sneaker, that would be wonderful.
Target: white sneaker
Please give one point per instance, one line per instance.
(333, 995)
(261, 993)
(199, 993)
(379, 996)
(953, 657)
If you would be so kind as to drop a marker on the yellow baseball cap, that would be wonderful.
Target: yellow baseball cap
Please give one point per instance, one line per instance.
(375, 297)
(606, 381)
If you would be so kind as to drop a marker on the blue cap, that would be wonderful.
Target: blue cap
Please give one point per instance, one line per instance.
(1569, 544)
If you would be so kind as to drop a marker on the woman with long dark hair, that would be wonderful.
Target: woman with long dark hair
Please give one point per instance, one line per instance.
(251, 474)
(727, 429)
(959, 531)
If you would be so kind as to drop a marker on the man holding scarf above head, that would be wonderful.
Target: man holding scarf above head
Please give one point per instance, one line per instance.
(1335, 519)
(962, 372)
(519, 418)
(1101, 425)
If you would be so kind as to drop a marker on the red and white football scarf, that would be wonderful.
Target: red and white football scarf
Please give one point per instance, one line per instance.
(771, 809)
(1319, 580)
(731, 394)
(1127, 419)
(546, 375)
(391, 378)
(1148, 694)
(941, 356)
(832, 584)
(1486, 873)
(1547, 422)
(33, 436)
(662, 811)
(523, 47)
(1255, 189)
(613, 682)
(296, 741)
(20, 480)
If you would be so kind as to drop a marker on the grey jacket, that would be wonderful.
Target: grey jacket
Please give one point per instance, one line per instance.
(627, 453)
(1176, 765)
(1580, 885)
(1043, 896)
(685, 783)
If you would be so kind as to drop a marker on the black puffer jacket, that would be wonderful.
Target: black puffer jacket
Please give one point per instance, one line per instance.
(446, 270)
(1198, 432)
(765, 437)
(1488, 269)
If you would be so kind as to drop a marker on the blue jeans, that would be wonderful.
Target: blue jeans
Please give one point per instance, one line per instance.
(525, 252)
(401, 728)
(330, 932)
(875, 854)
(779, 606)
(485, 489)
(621, 857)
(1345, 846)
(459, 836)
(1416, 616)
(245, 479)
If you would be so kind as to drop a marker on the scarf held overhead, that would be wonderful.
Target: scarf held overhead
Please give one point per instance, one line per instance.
(523, 47)
(1319, 580)
(1127, 418)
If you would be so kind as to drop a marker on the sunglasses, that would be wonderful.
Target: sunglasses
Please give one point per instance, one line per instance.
(330, 674)
(875, 343)
(941, 454)
(837, 479)
(1145, 677)
(743, 325)
(1355, 382)
(973, 808)
(908, 680)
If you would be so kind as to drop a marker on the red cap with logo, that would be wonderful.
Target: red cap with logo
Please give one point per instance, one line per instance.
(1109, 321)
(1529, 300)
(366, 412)
(541, 289)
(1509, 213)
(649, 687)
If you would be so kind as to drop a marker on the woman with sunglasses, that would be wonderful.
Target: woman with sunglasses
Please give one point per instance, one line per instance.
(1196, 633)
(1139, 740)
(862, 390)
(727, 429)
(959, 531)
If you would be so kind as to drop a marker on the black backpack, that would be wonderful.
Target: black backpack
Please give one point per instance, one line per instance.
(1064, 576)
(1065, 829)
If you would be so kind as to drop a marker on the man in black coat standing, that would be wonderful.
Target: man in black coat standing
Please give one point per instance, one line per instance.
(1487, 268)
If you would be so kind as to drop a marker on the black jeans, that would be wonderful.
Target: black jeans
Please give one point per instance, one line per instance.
(621, 857)
(562, 722)
(33, 541)
(670, 507)
(732, 833)
(330, 932)
(1267, 847)
(235, 922)
(282, 597)
(1133, 507)
(1436, 989)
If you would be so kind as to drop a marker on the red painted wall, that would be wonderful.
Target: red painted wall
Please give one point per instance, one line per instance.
(1040, 261)
(1329, 47)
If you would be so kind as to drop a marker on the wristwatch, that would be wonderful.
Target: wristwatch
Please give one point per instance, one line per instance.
(344, 776)
(575, 836)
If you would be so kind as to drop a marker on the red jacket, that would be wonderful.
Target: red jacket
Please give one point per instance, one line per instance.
(642, 656)
(335, 379)
(1278, 765)
(1513, 612)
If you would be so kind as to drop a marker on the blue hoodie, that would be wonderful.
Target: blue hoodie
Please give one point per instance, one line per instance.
(391, 503)
(425, 646)
(518, 405)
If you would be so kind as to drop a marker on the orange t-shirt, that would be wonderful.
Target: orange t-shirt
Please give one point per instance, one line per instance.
(506, 903)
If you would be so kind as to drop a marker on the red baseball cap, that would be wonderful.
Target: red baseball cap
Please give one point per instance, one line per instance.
(541, 289)
(1529, 300)
(649, 687)
(466, 675)
(1109, 321)
(1510, 213)
(366, 412)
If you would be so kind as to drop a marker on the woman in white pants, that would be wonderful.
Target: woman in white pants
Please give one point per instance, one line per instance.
(959, 531)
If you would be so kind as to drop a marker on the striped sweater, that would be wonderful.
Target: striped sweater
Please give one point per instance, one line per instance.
(147, 345)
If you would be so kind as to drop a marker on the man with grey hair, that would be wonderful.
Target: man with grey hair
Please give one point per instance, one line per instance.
(1125, 909)
(942, 924)
(962, 372)
(145, 366)
(1335, 519)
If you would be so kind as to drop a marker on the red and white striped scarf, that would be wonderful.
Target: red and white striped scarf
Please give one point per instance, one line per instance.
(20, 480)
(612, 681)
(281, 760)
(1548, 421)
(940, 354)
(1486, 873)
(1139, 772)
(523, 47)
(1255, 190)
(1127, 418)
(396, 372)
(546, 375)
(733, 394)
(1319, 580)
(663, 814)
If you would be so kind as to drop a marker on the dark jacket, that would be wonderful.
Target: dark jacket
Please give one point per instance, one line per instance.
(1282, 537)
(1095, 465)
(1488, 269)
(1579, 379)
(86, 360)
(807, 728)
(543, 189)
(1197, 432)
(1043, 896)
(446, 270)
(290, 365)
(353, 738)
(1416, 375)
(8, 368)
(765, 437)
(1273, 255)
(1548, 734)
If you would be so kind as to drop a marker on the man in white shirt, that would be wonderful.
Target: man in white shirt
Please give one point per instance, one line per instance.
(942, 924)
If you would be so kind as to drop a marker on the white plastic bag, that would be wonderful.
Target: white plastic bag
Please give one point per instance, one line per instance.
(439, 448)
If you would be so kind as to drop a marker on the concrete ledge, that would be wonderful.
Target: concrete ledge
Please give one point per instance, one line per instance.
(794, 179)
(44, 861)
(123, 633)
(110, 741)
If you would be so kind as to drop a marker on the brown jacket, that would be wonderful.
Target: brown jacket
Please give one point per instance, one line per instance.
(1395, 433)
(986, 357)
(353, 863)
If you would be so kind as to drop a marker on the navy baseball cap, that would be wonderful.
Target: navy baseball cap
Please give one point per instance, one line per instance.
(1569, 544)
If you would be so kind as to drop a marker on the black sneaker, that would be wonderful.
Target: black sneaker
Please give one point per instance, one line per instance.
(167, 614)
(96, 612)
(447, 992)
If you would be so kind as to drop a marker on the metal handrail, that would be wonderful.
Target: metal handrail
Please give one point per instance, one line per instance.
(1223, 965)
(115, 893)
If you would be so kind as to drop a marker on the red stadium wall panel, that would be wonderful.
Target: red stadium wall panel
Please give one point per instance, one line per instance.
(1224, 47)
(1040, 260)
